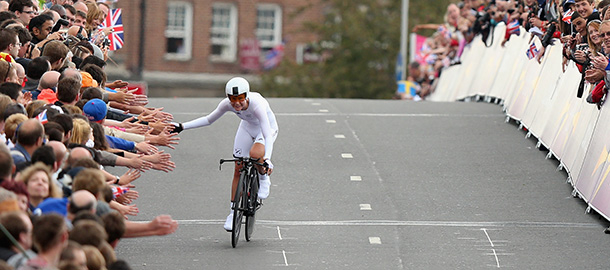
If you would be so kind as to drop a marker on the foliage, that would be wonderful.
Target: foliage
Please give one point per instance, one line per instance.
(359, 42)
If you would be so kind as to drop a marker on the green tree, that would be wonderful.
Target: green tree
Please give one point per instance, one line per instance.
(359, 41)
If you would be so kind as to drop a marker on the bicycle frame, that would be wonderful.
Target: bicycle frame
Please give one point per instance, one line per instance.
(245, 200)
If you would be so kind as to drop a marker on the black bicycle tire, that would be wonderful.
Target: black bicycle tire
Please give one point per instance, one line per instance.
(238, 210)
(252, 205)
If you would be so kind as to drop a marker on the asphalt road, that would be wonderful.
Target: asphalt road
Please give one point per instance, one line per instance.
(371, 184)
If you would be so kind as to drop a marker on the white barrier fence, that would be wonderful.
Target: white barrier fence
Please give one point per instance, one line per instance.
(542, 98)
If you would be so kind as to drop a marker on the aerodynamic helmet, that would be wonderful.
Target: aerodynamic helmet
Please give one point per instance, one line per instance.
(237, 86)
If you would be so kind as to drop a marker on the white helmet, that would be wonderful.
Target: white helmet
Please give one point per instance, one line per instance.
(237, 86)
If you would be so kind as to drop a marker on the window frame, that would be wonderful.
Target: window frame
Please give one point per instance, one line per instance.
(231, 41)
(186, 34)
(277, 31)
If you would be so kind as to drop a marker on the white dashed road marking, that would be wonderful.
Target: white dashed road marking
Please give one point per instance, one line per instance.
(375, 240)
(355, 178)
(347, 155)
(340, 136)
(365, 207)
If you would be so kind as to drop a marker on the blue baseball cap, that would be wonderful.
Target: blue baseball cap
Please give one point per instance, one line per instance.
(53, 205)
(95, 109)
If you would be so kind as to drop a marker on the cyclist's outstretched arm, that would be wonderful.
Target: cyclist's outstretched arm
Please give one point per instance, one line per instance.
(223, 107)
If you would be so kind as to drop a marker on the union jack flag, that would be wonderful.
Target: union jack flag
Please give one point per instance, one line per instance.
(513, 28)
(444, 32)
(42, 117)
(114, 21)
(532, 51)
(567, 17)
(273, 57)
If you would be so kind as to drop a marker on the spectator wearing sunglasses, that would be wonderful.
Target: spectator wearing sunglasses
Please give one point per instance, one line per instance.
(24, 9)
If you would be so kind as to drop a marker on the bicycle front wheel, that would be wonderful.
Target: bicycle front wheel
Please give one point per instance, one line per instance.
(238, 210)
(252, 205)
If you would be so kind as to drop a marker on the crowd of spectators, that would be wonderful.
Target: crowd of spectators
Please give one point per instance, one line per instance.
(581, 26)
(61, 125)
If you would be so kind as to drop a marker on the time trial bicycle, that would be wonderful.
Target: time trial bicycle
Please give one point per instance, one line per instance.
(245, 201)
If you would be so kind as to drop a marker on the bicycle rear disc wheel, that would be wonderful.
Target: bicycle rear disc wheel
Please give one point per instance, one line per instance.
(238, 211)
(252, 205)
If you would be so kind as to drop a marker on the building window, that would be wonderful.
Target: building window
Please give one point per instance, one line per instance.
(268, 26)
(178, 31)
(224, 32)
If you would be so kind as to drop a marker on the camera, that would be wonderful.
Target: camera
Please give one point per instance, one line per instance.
(106, 43)
(482, 24)
(59, 24)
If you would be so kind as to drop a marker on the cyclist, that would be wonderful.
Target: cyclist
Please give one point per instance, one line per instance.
(256, 133)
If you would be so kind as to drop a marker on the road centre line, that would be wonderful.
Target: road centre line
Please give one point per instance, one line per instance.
(355, 178)
(339, 136)
(505, 224)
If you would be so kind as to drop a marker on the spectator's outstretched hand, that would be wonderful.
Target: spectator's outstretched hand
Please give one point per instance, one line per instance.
(140, 100)
(26, 99)
(127, 197)
(117, 84)
(125, 210)
(163, 225)
(158, 114)
(600, 61)
(158, 157)
(165, 166)
(146, 148)
(580, 56)
(137, 129)
(594, 75)
(540, 55)
(123, 96)
(159, 126)
(131, 194)
(139, 164)
(129, 176)
(164, 138)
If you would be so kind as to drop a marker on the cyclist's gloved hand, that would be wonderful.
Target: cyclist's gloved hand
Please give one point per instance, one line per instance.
(269, 164)
(177, 128)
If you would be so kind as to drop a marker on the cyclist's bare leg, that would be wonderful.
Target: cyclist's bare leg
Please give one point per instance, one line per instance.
(235, 180)
(258, 152)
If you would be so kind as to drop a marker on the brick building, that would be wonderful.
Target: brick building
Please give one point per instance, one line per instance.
(208, 38)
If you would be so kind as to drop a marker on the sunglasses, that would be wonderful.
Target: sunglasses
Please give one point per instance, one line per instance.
(238, 98)
(604, 34)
